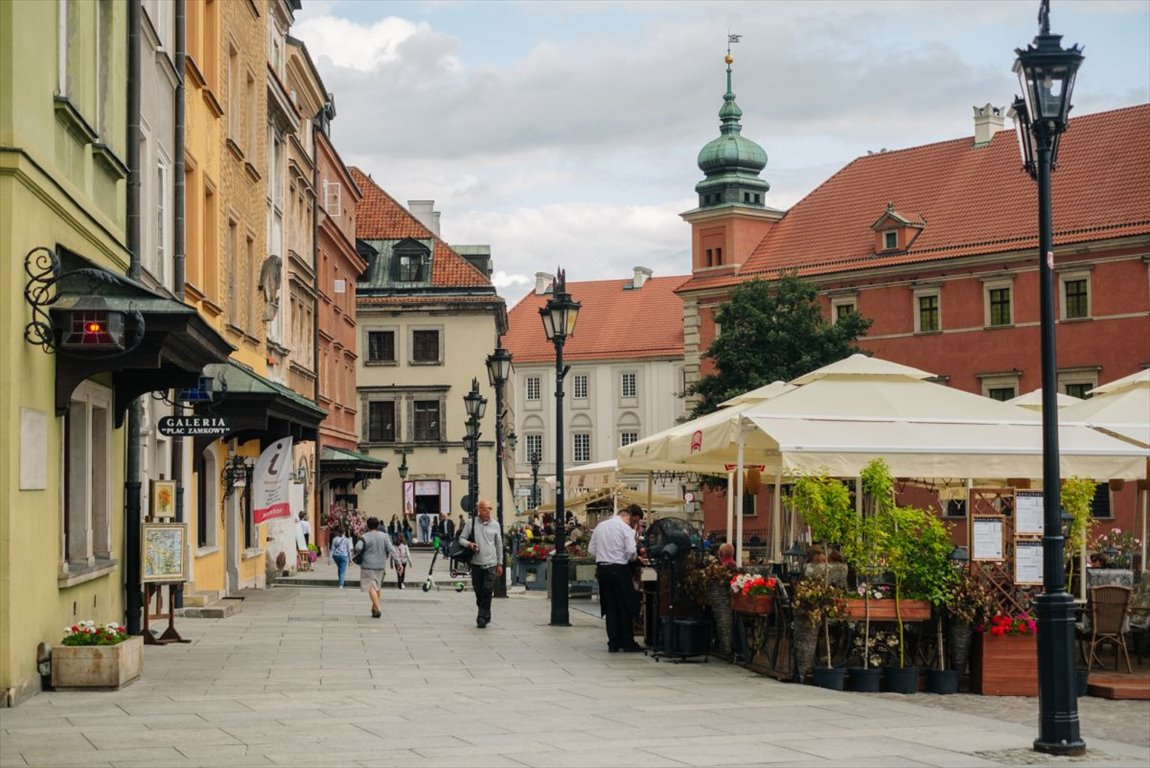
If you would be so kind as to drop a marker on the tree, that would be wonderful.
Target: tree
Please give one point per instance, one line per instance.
(773, 330)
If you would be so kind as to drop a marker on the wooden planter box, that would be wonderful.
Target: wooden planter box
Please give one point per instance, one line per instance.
(97, 666)
(1004, 666)
(759, 604)
(884, 610)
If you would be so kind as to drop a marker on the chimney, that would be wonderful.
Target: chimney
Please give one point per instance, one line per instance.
(543, 283)
(988, 121)
(641, 275)
(424, 210)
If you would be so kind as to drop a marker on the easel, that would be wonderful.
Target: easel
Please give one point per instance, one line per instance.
(155, 589)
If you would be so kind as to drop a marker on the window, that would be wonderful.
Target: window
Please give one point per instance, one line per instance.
(1100, 505)
(210, 244)
(956, 508)
(230, 254)
(87, 472)
(409, 261)
(234, 111)
(581, 448)
(890, 240)
(998, 300)
(381, 421)
(332, 197)
(160, 246)
(579, 386)
(1075, 297)
(842, 308)
(626, 438)
(105, 46)
(1079, 390)
(749, 505)
(249, 297)
(207, 500)
(254, 122)
(425, 346)
(628, 385)
(533, 388)
(928, 319)
(427, 420)
(381, 346)
(1001, 386)
(533, 445)
(1076, 382)
(1002, 394)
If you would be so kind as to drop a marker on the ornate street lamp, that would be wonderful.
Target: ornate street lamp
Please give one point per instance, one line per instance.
(535, 480)
(559, 323)
(402, 469)
(498, 371)
(1046, 73)
(475, 405)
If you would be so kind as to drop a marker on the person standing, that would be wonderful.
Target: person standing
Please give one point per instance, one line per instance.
(339, 551)
(482, 535)
(305, 529)
(613, 547)
(400, 560)
(377, 550)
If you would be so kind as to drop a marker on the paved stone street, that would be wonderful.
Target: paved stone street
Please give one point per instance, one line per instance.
(304, 676)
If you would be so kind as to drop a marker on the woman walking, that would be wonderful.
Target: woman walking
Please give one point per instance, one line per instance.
(400, 560)
(377, 550)
(340, 551)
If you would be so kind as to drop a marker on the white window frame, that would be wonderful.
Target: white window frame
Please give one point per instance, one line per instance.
(533, 388)
(839, 307)
(333, 198)
(886, 236)
(994, 285)
(1071, 277)
(1084, 375)
(528, 439)
(925, 293)
(999, 381)
(580, 386)
(162, 233)
(634, 379)
(86, 458)
(627, 437)
(583, 438)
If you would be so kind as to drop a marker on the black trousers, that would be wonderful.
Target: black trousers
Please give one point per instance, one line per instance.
(618, 600)
(483, 582)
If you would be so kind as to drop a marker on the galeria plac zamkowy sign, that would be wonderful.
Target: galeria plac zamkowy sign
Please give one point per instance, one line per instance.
(193, 426)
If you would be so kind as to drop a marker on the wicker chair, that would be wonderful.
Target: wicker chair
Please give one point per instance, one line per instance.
(1108, 621)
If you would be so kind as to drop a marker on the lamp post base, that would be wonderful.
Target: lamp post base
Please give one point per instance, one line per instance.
(560, 591)
(1057, 682)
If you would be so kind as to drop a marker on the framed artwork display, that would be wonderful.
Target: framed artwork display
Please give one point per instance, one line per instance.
(163, 546)
(163, 499)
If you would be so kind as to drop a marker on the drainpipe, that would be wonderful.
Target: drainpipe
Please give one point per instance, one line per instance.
(133, 598)
(317, 487)
(179, 237)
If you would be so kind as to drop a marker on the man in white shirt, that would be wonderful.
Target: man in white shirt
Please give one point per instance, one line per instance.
(613, 547)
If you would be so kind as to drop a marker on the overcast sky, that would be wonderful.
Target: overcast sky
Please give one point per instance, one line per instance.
(566, 133)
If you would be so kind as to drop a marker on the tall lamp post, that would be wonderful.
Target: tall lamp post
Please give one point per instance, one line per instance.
(535, 480)
(498, 370)
(558, 323)
(1046, 73)
(475, 405)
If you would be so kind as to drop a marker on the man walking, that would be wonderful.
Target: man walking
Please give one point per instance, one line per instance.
(482, 535)
(613, 547)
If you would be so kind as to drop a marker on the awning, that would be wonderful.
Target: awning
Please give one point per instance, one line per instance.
(257, 407)
(342, 464)
(165, 343)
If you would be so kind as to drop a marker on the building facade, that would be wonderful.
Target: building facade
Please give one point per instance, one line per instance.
(427, 319)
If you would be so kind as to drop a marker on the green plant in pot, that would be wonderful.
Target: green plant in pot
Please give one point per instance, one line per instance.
(863, 550)
(1077, 495)
(970, 605)
(819, 602)
(709, 586)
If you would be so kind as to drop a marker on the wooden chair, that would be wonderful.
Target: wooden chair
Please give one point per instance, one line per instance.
(1108, 621)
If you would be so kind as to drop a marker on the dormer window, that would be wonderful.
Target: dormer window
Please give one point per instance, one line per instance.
(410, 262)
(890, 240)
(894, 231)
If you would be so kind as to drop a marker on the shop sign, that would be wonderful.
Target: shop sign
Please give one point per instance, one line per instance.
(193, 426)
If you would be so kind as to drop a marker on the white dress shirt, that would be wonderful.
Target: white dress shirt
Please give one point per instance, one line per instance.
(612, 541)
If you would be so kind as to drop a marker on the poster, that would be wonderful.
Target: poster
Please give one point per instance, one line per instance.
(1028, 513)
(445, 497)
(987, 538)
(164, 499)
(409, 498)
(163, 552)
(271, 482)
(1027, 561)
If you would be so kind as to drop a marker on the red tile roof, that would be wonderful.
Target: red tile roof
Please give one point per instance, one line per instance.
(615, 322)
(975, 200)
(380, 217)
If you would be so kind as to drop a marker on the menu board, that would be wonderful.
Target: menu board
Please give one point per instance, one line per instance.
(1028, 513)
(1027, 562)
(988, 538)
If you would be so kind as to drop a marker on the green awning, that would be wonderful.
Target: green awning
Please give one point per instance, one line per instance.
(257, 407)
(340, 463)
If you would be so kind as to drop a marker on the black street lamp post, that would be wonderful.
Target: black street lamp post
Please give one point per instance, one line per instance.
(1046, 73)
(498, 370)
(558, 323)
(535, 480)
(475, 405)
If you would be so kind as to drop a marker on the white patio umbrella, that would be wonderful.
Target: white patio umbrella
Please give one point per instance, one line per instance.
(1033, 400)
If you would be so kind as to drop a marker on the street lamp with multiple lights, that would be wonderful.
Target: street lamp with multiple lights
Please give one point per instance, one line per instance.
(1046, 73)
(475, 406)
(498, 371)
(559, 323)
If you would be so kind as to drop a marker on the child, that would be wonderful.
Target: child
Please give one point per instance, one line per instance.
(400, 560)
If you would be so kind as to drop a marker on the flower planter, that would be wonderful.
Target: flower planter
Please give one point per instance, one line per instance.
(1004, 666)
(719, 601)
(741, 603)
(806, 638)
(959, 636)
(942, 681)
(867, 680)
(832, 678)
(884, 610)
(97, 666)
(901, 679)
(534, 574)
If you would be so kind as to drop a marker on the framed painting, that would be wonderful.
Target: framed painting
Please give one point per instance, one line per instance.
(163, 499)
(163, 546)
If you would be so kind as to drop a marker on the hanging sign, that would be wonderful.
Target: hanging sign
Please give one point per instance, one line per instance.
(193, 426)
(271, 482)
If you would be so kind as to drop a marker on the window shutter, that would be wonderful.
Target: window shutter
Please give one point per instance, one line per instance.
(331, 198)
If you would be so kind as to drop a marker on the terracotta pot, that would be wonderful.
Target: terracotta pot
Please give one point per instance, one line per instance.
(884, 610)
(97, 666)
(752, 603)
(1004, 666)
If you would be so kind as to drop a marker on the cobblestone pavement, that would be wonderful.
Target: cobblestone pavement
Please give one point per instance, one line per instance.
(305, 677)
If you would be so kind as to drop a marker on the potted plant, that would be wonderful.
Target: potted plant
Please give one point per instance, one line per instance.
(970, 605)
(818, 601)
(1119, 545)
(753, 593)
(709, 586)
(93, 656)
(863, 550)
(1004, 657)
(1077, 495)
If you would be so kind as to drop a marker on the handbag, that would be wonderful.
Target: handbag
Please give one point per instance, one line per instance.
(357, 557)
(460, 553)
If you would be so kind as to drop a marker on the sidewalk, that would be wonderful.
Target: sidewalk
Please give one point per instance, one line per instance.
(304, 676)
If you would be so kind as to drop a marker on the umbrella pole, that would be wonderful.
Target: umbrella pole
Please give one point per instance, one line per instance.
(739, 502)
(1145, 494)
(730, 506)
(777, 520)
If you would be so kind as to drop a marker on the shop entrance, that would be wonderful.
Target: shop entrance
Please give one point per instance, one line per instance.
(423, 502)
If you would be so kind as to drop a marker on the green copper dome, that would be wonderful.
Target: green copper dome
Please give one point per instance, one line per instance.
(731, 162)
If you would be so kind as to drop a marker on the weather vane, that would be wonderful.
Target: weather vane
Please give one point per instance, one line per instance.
(730, 39)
